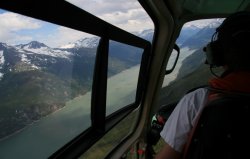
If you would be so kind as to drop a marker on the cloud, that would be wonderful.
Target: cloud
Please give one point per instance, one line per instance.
(11, 24)
(63, 36)
(18, 29)
(15, 22)
(131, 20)
(126, 14)
(100, 7)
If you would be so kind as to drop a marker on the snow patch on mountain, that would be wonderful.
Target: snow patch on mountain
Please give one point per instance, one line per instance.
(49, 52)
(4, 45)
(68, 46)
(1, 59)
(24, 58)
(91, 42)
(1, 63)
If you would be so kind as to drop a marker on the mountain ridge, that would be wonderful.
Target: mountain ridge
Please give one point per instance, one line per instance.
(40, 78)
(36, 80)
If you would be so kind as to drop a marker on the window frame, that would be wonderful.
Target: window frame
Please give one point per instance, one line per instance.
(64, 13)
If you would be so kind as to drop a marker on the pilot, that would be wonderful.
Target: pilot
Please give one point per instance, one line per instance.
(229, 48)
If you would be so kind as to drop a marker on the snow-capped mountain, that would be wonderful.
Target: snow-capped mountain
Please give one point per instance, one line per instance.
(51, 76)
(92, 42)
(146, 34)
(192, 32)
(192, 55)
(32, 45)
(40, 48)
(200, 24)
(1, 63)
(38, 56)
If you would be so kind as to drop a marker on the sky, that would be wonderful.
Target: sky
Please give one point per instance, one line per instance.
(126, 14)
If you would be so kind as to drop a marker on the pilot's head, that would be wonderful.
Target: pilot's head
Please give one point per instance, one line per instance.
(230, 44)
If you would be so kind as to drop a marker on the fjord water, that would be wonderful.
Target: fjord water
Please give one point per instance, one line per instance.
(45, 136)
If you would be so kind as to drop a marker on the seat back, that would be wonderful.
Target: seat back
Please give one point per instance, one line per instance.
(223, 130)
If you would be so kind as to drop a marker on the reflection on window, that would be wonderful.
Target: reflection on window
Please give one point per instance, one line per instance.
(45, 85)
(124, 62)
(190, 71)
(115, 136)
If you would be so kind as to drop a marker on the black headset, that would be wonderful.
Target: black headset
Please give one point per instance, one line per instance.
(234, 25)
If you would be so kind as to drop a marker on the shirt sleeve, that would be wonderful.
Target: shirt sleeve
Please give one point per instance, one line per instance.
(182, 119)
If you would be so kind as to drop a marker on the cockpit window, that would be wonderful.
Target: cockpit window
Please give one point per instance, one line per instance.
(191, 70)
(49, 81)
(121, 88)
(46, 74)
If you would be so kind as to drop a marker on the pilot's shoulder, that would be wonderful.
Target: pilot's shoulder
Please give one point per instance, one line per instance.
(199, 93)
(198, 90)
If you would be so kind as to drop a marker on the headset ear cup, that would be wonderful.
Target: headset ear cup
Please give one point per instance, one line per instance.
(214, 54)
(210, 54)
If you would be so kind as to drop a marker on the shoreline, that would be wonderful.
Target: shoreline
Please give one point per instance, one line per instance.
(67, 103)
(35, 121)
